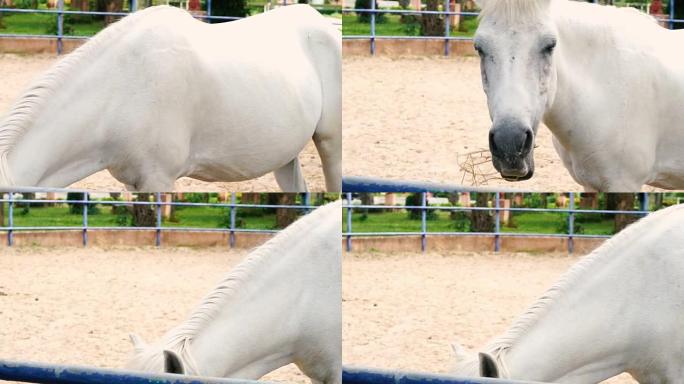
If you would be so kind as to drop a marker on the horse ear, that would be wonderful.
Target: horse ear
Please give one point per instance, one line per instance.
(480, 3)
(137, 342)
(488, 367)
(172, 363)
(459, 351)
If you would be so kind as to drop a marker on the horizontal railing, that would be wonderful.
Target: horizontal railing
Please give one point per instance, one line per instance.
(446, 36)
(158, 228)
(356, 375)
(497, 209)
(73, 374)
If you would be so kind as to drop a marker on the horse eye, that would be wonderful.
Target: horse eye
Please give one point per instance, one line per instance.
(548, 49)
(479, 50)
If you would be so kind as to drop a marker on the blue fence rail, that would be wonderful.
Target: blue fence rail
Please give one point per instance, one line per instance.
(496, 210)
(373, 36)
(60, 12)
(157, 204)
(72, 374)
(355, 375)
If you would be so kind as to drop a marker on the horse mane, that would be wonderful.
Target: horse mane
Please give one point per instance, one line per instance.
(22, 113)
(499, 347)
(179, 338)
(608, 16)
(516, 11)
(513, 10)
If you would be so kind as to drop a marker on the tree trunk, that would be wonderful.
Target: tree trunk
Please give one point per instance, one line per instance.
(144, 215)
(480, 220)
(623, 202)
(250, 198)
(2, 212)
(679, 13)
(80, 5)
(589, 201)
(658, 198)
(285, 216)
(544, 200)
(113, 6)
(432, 25)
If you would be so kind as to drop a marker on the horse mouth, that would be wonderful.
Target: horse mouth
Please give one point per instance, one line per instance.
(515, 169)
(524, 177)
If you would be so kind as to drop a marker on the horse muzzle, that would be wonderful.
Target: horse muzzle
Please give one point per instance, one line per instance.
(512, 148)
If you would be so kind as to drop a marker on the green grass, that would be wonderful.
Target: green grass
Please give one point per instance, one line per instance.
(392, 26)
(44, 24)
(190, 217)
(532, 222)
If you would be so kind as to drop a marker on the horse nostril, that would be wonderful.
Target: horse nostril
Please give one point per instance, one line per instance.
(529, 138)
(492, 143)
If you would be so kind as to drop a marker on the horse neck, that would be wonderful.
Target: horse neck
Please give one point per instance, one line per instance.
(579, 332)
(589, 65)
(257, 327)
(56, 143)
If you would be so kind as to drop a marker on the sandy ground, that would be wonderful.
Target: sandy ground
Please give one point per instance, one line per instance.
(407, 316)
(411, 118)
(17, 71)
(77, 306)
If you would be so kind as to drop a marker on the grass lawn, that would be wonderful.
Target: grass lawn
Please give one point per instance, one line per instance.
(44, 24)
(392, 26)
(533, 222)
(191, 217)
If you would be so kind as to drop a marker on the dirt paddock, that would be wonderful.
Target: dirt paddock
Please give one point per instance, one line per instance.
(19, 70)
(402, 310)
(77, 306)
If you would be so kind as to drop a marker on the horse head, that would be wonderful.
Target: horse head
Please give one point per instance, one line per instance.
(516, 42)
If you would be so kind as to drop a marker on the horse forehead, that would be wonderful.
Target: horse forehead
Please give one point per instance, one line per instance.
(514, 36)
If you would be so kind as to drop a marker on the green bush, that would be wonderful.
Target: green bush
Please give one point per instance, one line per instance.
(77, 208)
(461, 221)
(415, 199)
(365, 17)
(26, 4)
(237, 8)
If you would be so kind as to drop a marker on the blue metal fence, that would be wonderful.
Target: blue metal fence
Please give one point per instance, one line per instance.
(158, 203)
(446, 37)
(72, 374)
(354, 375)
(496, 210)
(60, 12)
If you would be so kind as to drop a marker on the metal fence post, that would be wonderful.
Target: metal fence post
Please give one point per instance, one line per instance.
(231, 236)
(209, 10)
(643, 201)
(349, 222)
(60, 25)
(372, 28)
(672, 13)
(571, 224)
(423, 221)
(85, 219)
(447, 26)
(134, 5)
(307, 202)
(10, 219)
(157, 239)
(497, 222)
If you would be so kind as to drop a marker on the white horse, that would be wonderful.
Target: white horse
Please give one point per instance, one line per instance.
(617, 310)
(608, 82)
(160, 95)
(281, 305)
